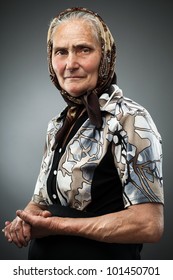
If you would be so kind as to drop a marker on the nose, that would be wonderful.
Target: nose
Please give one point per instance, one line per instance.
(72, 61)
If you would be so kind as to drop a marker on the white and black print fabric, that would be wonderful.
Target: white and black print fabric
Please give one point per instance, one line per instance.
(135, 146)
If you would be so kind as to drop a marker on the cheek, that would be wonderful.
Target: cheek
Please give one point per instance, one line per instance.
(57, 66)
(93, 65)
(92, 68)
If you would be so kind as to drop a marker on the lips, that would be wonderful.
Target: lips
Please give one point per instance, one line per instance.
(73, 77)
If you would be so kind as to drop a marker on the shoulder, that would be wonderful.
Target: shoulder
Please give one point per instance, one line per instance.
(115, 103)
(128, 113)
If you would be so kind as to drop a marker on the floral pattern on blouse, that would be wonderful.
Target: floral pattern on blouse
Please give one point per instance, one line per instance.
(136, 148)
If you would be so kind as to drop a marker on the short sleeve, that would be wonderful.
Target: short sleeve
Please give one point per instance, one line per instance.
(138, 157)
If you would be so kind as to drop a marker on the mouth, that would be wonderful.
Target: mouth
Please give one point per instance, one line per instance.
(73, 77)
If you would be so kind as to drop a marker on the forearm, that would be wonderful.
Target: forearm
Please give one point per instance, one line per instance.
(127, 226)
(137, 224)
(110, 228)
(34, 207)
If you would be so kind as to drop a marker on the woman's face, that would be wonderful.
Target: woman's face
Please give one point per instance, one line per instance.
(76, 57)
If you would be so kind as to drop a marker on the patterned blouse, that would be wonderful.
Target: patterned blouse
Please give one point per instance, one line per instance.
(103, 170)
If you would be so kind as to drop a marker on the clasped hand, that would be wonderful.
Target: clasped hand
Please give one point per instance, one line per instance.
(28, 225)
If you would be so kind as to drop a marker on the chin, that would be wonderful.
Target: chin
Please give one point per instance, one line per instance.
(76, 93)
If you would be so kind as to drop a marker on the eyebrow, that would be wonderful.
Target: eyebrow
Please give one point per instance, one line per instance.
(82, 45)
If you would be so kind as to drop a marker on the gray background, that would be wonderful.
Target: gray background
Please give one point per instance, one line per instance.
(143, 32)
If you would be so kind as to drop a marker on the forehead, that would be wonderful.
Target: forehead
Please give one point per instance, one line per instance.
(74, 30)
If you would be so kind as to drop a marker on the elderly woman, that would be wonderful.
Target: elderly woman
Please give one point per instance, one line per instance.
(99, 194)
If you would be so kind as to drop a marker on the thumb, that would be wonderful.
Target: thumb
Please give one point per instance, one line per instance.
(23, 215)
(46, 214)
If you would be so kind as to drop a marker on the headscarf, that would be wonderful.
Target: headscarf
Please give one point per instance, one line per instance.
(106, 75)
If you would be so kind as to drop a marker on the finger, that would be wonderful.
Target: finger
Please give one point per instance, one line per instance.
(26, 232)
(16, 233)
(46, 214)
(6, 231)
(7, 223)
(14, 229)
(23, 234)
(26, 217)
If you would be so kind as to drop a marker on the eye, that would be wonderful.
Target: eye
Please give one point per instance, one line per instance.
(85, 50)
(60, 52)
